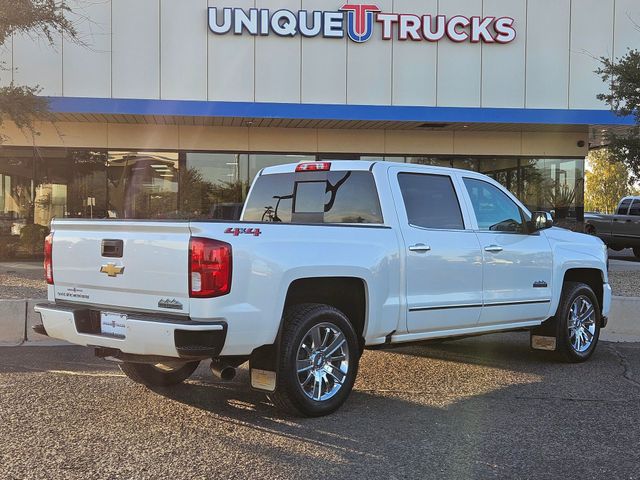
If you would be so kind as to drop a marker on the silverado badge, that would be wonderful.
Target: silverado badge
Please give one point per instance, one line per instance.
(112, 269)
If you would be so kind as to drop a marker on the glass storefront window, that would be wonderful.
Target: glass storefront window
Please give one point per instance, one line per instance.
(16, 192)
(213, 185)
(258, 162)
(435, 161)
(555, 185)
(143, 184)
(39, 184)
(503, 170)
(470, 163)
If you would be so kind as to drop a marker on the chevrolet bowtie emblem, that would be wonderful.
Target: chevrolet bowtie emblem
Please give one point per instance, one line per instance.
(111, 269)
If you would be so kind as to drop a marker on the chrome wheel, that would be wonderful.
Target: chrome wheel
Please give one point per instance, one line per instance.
(322, 361)
(581, 324)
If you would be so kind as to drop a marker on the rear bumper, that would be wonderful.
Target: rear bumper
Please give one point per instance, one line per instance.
(150, 335)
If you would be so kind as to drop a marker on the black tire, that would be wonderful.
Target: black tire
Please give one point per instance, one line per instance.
(573, 292)
(636, 252)
(155, 376)
(299, 320)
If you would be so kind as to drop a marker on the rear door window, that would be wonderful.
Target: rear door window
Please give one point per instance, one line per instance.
(430, 201)
(314, 197)
(624, 207)
(635, 208)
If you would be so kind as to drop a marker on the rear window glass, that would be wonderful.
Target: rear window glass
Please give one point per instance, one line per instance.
(314, 197)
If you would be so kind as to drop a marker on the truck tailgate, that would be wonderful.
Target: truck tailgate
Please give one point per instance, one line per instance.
(141, 265)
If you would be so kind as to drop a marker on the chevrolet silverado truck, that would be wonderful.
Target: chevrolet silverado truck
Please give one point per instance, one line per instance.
(618, 231)
(327, 259)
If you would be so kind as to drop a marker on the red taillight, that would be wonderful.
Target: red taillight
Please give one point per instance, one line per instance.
(48, 258)
(209, 268)
(313, 167)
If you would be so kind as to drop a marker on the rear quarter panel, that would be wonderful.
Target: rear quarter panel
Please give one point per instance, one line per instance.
(264, 267)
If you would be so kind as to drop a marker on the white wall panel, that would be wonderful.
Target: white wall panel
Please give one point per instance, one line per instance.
(627, 30)
(503, 79)
(6, 62)
(459, 64)
(183, 47)
(136, 48)
(278, 61)
(87, 66)
(591, 38)
(36, 62)
(369, 66)
(231, 61)
(324, 65)
(415, 62)
(548, 53)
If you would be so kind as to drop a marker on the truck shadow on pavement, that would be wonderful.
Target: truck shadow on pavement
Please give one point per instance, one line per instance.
(449, 411)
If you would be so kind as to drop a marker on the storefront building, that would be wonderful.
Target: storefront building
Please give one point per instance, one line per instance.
(168, 109)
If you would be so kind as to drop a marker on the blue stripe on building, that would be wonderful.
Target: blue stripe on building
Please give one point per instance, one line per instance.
(189, 108)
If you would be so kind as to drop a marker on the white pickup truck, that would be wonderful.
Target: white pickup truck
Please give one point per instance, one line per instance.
(328, 258)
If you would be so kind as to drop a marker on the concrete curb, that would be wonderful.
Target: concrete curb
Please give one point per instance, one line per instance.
(17, 317)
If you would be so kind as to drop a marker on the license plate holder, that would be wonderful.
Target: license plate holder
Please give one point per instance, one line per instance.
(113, 324)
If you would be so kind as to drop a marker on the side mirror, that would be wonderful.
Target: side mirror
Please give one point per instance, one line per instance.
(541, 221)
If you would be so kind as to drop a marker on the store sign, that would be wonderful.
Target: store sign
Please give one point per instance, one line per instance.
(358, 22)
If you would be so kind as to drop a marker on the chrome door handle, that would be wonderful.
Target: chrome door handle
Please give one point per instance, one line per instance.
(419, 247)
(493, 248)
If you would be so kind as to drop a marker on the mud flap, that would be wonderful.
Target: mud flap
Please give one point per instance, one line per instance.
(545, 337)
(263, 367)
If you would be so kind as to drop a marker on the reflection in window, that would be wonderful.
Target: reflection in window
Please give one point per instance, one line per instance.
(435, 161)
(143, 184)
(329, 197)
(503, 170)
(555, 185)
(430, 201)
(16, 186)
(213, 185)
(258, 162)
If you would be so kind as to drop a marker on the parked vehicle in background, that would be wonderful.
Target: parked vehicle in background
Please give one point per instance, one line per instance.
(328, 258)
(618, 231)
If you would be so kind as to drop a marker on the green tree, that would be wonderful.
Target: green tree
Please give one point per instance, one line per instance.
(623, 75)
(41, 18)
(607, 182)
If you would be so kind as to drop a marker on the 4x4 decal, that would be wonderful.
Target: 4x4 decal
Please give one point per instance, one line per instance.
(243, 231)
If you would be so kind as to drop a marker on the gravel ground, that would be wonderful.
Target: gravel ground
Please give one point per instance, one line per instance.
(477, 408)
(625, 283)
(18, 281)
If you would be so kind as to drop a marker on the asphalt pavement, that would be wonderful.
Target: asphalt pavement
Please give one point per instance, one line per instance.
(485, 407)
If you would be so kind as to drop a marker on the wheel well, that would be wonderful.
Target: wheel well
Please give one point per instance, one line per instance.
(347, 294)
(590, 276)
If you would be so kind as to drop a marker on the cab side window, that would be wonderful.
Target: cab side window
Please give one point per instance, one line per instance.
(635, 208)
(430, 201)
(623, 209)
(495, 211)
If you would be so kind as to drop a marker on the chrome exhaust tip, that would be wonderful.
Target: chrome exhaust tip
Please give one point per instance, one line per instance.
(222, 370)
